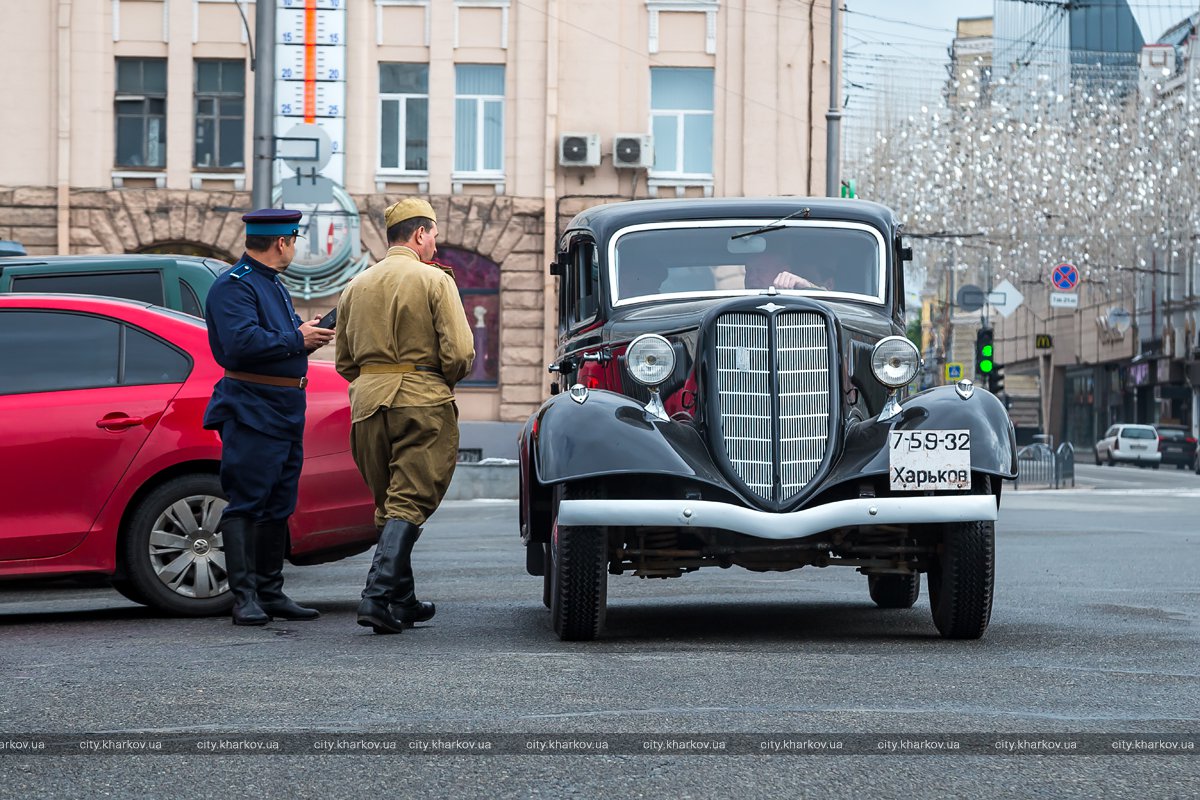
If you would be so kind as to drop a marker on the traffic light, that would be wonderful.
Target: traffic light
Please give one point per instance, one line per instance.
(984, 352)
(996, 379)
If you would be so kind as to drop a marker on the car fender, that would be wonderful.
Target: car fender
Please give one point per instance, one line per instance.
(609, 432)
(993, 440)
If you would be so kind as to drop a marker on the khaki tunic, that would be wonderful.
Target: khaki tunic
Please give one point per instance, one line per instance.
(403, 311)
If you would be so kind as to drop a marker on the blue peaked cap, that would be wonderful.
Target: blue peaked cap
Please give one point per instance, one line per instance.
(272, 222)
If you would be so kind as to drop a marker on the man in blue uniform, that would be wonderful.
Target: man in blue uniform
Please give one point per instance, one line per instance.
(258, 408)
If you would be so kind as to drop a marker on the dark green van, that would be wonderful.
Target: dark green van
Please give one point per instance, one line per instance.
(178, 282)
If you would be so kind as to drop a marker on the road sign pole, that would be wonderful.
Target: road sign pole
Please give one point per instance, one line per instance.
(263, 175)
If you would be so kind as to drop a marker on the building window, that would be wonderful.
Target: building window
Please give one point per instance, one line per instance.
(681, 119)
(479, 119)
(478, 282)
(220, 114)
(404, 117)
(141, 112)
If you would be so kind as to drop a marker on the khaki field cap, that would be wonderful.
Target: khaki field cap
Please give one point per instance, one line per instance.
(407, 209)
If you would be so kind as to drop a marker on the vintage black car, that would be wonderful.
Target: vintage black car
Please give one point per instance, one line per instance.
(731, 390)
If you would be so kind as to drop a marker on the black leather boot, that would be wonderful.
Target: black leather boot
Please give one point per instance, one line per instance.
(270, 545)
(237, 541)
(373, 611)
(405, 605)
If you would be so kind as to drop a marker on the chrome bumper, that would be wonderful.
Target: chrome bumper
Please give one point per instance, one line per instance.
(770, 525)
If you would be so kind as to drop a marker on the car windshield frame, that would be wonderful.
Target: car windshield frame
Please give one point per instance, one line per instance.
(740, 225)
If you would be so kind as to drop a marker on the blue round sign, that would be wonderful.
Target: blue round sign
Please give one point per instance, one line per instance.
(1065, 277)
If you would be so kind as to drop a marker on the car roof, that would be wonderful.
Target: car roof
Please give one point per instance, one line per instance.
(110, 261)
(1124, 425)
(605, 219)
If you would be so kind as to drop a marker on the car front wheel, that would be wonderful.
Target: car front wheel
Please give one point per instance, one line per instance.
(579, 574)
(173, 552)
(962, 578)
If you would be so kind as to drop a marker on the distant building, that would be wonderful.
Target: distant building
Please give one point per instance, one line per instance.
(129, 129)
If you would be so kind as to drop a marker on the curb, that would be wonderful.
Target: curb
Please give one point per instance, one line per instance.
(484, 481)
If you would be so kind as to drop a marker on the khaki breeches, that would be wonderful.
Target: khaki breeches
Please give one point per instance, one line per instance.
(407, 456)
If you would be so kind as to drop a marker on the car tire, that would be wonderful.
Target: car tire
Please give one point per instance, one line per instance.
(1111, 461)
(894, 591)
(172, 549)
(962, 578)
(130, 592)
(579, 574)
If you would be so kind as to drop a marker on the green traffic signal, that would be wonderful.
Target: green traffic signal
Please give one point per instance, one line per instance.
(986, 351)
(985, 365)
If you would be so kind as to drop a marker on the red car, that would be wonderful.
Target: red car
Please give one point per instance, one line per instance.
(108, 470)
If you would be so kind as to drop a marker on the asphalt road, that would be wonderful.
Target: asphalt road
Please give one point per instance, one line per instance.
(1095, 630)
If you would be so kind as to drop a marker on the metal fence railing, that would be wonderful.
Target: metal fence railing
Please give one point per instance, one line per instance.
(1041, 465)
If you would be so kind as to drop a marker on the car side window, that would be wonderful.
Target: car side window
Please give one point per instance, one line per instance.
(189, 300)
(584, 263)
(49, 351)
(147, 360)
(146, 286)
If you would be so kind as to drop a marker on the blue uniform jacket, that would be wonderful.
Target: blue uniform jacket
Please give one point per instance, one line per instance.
(253, 327)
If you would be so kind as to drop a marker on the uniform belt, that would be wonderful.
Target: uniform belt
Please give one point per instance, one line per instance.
(378, 369)
(267, 380)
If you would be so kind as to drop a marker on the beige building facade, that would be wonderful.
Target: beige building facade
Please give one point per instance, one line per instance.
(130, 130)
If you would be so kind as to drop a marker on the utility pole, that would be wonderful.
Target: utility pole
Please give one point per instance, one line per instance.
(833, 117)
(263, 175)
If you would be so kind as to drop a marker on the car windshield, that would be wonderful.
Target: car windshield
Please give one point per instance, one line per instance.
(697, 259)
(1172, 434)
(1139, 433)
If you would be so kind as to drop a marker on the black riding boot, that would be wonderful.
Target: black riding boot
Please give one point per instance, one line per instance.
(405, 605)
(373, 611)
(270, 546)
(236, 538)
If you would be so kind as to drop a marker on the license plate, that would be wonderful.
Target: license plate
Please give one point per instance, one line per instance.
(927, 460)
(1137, 447)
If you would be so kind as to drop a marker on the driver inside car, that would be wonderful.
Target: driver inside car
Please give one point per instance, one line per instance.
(769, 269)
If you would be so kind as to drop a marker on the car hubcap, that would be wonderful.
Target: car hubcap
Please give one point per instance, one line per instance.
(186, 550)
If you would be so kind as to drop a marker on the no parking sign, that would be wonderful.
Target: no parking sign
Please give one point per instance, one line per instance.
(1065, 277)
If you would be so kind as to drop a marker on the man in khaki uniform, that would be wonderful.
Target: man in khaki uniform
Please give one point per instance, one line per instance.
(403, 343)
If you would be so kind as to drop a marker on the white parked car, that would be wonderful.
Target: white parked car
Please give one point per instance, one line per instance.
(1135, 444)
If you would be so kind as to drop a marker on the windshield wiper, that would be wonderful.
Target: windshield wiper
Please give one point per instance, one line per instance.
(774, 226)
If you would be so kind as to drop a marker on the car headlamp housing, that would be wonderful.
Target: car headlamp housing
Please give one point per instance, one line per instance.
(650, 359)
(895, 361)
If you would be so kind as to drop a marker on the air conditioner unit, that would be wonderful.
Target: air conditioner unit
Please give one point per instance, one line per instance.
(579, 150)
(633, 151)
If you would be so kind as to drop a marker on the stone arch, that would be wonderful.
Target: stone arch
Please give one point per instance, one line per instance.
(133, 220)
(185, 248)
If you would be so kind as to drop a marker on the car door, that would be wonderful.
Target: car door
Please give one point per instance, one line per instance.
(75, 408)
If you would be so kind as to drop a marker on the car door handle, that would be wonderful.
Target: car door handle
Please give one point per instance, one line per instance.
(118, 422)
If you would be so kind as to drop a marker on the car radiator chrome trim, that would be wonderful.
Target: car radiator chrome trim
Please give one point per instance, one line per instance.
(773, 376)
(785, 525)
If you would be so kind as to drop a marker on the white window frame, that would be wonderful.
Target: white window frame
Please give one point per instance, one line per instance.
(503, 5)
(481, 175)
(379, 6)
(402, 136)
(677, 175)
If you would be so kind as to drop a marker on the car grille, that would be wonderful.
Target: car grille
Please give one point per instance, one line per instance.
(773, 389)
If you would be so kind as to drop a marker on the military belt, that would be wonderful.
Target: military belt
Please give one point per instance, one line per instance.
(378, 369)
(267, 380)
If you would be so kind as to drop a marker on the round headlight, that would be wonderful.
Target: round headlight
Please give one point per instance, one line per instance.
(650, 359)
(895, 361)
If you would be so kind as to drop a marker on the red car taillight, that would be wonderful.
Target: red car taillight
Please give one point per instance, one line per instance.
(1190, 440)
(1116, 444)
